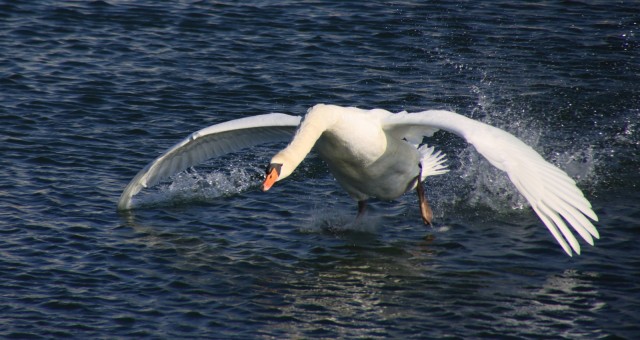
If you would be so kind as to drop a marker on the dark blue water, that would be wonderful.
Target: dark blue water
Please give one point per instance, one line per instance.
(92, 91)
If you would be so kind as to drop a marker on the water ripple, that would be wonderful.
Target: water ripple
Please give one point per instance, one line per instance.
(92, 91)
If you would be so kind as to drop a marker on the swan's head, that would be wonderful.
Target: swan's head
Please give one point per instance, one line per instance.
(288, 159)
(279, 168)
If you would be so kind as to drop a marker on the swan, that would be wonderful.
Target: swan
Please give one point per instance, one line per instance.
(376, 153)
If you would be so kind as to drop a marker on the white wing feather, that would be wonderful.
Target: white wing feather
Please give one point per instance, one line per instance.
(213, 141)
(552, 194)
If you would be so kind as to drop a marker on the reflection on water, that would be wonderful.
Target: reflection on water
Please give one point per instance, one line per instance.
(340, 282)
(564, 304)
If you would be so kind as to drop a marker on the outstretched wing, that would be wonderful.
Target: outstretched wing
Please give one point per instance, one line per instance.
(213, 141)
(553, 195)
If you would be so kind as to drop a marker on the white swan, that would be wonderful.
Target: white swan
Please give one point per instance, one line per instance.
(374, 153)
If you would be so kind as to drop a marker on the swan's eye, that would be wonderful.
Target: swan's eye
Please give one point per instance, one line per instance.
(273, 166)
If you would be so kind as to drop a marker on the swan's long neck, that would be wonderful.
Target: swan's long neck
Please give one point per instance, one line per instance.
(317, 121)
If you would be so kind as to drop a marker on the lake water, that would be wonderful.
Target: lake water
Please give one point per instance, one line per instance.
(91, 91)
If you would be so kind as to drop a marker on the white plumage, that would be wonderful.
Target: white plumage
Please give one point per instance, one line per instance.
(374, 153)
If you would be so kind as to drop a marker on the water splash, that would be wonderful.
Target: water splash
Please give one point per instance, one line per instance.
(578, 164)
(201, 185)
(475, 184)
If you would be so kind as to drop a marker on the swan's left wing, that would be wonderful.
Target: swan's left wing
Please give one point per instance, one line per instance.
(553, 195)
(213, 141)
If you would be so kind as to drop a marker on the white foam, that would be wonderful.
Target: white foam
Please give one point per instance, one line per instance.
(201, 185)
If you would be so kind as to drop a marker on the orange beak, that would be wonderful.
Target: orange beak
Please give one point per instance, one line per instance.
(272, 176)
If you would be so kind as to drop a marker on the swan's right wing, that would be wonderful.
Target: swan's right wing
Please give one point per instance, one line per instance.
(210, 142)
(551, 192)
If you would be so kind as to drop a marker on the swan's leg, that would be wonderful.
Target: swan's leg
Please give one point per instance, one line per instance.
(425, 209)
(362, 206)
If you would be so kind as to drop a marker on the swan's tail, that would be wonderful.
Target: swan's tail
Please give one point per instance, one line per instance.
(431, 162)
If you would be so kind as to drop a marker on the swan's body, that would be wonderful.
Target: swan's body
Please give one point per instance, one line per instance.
(374, 153)
(366, 160)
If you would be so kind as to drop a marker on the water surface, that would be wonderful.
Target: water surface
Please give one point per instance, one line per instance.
(90, 92)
